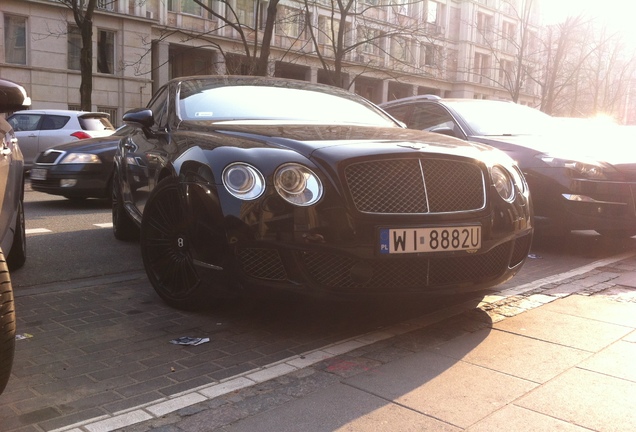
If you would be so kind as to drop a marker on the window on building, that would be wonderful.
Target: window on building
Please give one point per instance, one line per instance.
(108, 5)
(105, 51)
(327, 29)
(402, 7)
(245, 11)
(15, 39)
(112, 112)
(428, 55)
(291, 22)
(402, 49)
(509, 33)
(184, 6)
(432, 9)
(505, 72)
(484, 27)
(371, 40)
(481, 68)
(74, 42)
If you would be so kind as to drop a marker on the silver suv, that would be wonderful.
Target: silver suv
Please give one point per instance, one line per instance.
(38, 130)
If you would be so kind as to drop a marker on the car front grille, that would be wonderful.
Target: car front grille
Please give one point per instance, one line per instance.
(403, 186)
(48, 157)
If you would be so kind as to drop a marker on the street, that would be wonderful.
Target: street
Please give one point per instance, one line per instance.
(97, 338)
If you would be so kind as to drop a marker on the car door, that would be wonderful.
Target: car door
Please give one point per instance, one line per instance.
(26, 127)
(144, 153)
(10, 174)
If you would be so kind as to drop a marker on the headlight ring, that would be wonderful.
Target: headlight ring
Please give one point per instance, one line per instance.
(297, 184)
(243, 181)
(502, 180)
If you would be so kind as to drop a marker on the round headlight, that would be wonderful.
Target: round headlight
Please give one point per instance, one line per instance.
(297, 184)
(243, 181)
(503, 183)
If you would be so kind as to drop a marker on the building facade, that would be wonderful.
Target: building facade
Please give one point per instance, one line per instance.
(381, 49)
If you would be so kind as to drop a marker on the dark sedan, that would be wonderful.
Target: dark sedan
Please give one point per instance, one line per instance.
(12, 234)
(236, 184)
(78, 170)
(579, 179)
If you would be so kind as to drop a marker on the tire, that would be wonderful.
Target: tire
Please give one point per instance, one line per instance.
(17, 254)
(7, 324)
(124, 228)
(165, 240)
(617, 234)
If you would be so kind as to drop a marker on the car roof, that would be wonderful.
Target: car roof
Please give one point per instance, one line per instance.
(64, 112)
(435, 98)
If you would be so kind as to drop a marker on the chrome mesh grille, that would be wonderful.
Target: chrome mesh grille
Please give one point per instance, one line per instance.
(403, 186)
(262, 263)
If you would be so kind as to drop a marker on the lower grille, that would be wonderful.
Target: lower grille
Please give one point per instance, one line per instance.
(262, 264)
(413, 274)
(521, 249)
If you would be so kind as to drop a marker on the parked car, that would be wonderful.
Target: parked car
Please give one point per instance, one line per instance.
(38, 130)
(252, 183)
(12, 235)
(578, 179)
(80, 169)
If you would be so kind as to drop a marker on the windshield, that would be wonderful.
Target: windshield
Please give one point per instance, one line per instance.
(289, 105)
(501, 118)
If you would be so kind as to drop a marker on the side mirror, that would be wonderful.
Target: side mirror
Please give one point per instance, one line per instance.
(444, 131)
(13, 97)
(140, 117)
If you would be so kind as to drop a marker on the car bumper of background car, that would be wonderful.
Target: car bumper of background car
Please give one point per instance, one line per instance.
(72, 181)
(591, 206)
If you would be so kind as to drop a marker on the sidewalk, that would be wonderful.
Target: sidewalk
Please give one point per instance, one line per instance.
(552, 355)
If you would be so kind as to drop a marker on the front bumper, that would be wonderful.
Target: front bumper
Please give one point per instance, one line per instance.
(323, 271)
(84, 181)
(587, 205)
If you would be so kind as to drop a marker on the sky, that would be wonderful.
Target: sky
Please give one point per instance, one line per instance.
(617, 15)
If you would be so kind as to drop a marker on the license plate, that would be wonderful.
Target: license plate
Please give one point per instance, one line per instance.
(436, 239)
(38, 174)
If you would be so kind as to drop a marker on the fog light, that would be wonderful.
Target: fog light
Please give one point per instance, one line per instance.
(67, 183)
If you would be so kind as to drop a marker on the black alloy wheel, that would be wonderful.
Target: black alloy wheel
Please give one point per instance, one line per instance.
(165, 247)
(17, 254)
(124, 228)
(7, 324)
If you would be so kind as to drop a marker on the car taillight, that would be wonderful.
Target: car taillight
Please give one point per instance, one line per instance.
(80, 135)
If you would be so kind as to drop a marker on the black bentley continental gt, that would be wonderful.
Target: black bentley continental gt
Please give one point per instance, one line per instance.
(234, 184)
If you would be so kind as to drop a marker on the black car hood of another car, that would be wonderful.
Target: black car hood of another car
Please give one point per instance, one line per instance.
(91, 145)
(612, 148)
(308, 138)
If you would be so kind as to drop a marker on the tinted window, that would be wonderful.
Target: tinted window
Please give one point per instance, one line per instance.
(50, 122)
(430, 117)
(95, 123)
(24, 122)
(401, 113)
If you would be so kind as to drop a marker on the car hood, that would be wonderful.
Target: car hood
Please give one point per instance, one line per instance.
(610, 147)
(309, 139)
(91, 145)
